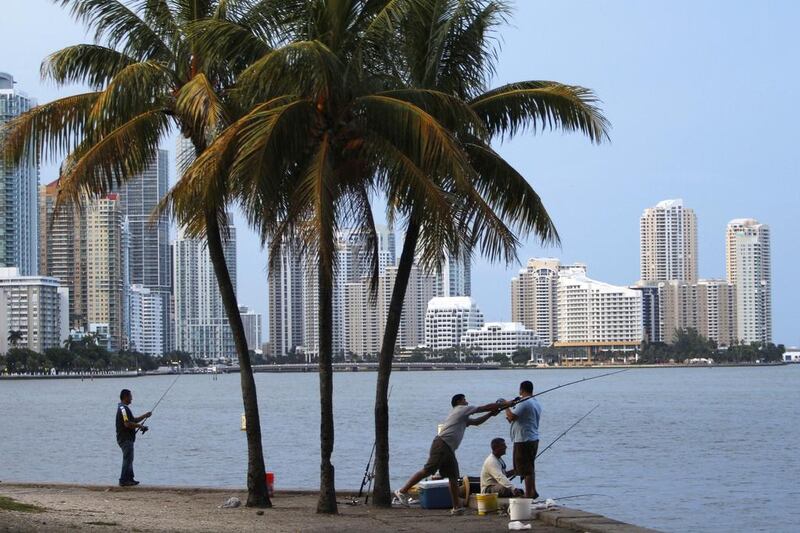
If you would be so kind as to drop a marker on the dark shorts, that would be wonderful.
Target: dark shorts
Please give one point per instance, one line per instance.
(524, 455)
(441, 458)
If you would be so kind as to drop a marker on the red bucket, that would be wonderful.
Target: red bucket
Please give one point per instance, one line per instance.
(270, 478)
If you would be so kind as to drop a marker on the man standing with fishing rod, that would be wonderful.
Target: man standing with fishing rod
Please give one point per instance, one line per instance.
(524, 416)
(127, 425)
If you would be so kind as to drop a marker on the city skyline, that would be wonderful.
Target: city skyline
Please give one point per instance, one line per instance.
(596, 194)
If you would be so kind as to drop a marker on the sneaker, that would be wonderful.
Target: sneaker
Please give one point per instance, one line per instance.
(128, 483)
(403, 498)
(457, 512)
(134, 482)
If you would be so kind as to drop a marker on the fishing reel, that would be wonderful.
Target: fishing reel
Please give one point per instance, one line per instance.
(144, 429)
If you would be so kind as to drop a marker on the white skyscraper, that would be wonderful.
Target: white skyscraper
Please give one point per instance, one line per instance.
(668, 242)
(596, 315)
(201, 324)
(30, 306)
(146, 321)
(750, 271)
(448, 318)
(252, 323)
(19, 221)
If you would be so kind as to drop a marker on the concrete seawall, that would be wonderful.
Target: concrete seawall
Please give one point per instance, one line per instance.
(159, 508)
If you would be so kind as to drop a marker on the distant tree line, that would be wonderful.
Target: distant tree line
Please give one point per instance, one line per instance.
(87, 356)
(689, 344)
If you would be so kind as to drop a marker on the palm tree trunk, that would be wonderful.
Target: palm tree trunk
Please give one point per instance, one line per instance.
(327, 489)
(256, 483)
(382, 494)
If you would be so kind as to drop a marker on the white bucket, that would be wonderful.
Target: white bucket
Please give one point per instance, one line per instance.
(519, 508)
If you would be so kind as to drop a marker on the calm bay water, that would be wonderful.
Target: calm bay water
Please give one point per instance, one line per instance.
(699, 449)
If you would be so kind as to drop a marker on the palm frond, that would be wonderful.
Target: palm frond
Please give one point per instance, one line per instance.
(133, 90)
(91, 64)
(51, 130)
(418, 135)
(97, 166)
(200, 109)
(304, 68)
(509, 193)
(541, 105)
(119, 27)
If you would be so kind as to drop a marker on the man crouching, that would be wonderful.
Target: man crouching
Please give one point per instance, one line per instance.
(494, 476)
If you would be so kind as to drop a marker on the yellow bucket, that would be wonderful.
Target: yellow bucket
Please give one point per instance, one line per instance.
(487, 503)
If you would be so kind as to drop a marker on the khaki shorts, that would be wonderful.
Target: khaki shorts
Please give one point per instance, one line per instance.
(441, 458)
(524, 456)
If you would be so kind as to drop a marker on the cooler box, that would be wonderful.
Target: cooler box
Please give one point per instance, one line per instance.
(435, 494)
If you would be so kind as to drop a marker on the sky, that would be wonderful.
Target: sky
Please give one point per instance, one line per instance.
(701, 97)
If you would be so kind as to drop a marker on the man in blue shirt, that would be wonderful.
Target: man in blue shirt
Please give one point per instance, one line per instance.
(524, 418)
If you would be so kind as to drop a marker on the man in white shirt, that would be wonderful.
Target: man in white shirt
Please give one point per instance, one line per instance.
(494, 476)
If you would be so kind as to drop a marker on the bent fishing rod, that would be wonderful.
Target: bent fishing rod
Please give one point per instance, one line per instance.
(520, 400)
(144, 430)
(566, 431)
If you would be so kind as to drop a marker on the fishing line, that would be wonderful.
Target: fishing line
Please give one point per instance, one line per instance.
(162, 397)
(520, 400)
(566, 431)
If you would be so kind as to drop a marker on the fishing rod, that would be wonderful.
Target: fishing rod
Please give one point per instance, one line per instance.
(566, 431)
(369, 474)
(159, 400)
(520, 400)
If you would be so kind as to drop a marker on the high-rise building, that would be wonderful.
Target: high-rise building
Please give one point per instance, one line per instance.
(252, 323)
(362, 321)
(668, 242)
(286, 310)
(30, 306)
(201, 324)
(62, 254)
(149, 240)
(749, 269)
(146, 324)
(534, 298)
(716, 311)
(502, 338)
(19, 221)
(455, 276)
(352, 266)
(651, 311)
(420, 290)
(448, 318)
(597, 316)
(106, 270)
(708, 307)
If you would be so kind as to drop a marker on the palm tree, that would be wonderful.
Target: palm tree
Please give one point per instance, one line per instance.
(145, 77)
(14, 337)
(447, 47)
(330, 122)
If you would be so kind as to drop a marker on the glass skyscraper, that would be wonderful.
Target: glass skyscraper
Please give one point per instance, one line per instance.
(19, 221)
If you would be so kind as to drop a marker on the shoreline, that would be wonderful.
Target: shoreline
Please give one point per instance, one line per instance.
(189, 509)
(372, 367)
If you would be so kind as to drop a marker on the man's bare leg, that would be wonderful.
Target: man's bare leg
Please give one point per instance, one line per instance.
(455, 493)
(416, 478)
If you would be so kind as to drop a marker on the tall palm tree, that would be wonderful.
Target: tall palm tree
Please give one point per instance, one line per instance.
(447, 47)
(330, 122)
(145, 77)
